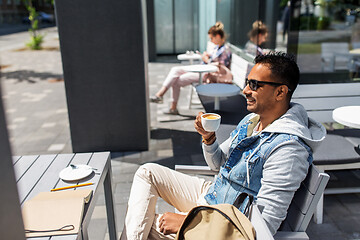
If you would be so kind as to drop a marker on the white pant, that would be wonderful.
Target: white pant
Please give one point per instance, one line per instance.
(178, 78)
(150, 182)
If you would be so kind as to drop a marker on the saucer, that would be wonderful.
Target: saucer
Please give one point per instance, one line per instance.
(75, 173)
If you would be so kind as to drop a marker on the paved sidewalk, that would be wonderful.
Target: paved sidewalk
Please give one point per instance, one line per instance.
(35, 102)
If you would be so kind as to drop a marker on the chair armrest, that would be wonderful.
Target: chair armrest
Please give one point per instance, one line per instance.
(291, 236)
(190, 169)
(259, 224)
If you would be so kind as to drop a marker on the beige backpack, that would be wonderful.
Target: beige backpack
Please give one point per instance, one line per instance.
(221, 221)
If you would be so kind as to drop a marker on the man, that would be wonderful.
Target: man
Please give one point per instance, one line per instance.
(267, 155)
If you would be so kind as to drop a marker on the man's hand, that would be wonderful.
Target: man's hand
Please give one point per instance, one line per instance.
(199, 128)
(170, 222)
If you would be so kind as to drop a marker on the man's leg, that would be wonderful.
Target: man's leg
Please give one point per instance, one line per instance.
(151, 181)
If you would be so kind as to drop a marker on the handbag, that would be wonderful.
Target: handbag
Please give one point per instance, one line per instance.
(222, 75)
(221, 221)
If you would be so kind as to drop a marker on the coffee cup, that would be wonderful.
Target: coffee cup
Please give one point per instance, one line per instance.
(210, 121)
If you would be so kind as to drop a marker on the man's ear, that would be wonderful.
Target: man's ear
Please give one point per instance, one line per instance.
(281, 92)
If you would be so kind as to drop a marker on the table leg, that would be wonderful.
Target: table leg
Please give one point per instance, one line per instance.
(191, 61)
(217, 103)
(110, 205)
(200, 80)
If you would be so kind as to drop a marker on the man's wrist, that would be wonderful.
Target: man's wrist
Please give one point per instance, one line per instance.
(210, 139)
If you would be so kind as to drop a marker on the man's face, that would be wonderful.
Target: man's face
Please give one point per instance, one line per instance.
(262, 100)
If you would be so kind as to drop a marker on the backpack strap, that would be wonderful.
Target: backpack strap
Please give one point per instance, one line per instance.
(241, 198)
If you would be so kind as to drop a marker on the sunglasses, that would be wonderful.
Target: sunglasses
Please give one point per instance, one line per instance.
(254, 84)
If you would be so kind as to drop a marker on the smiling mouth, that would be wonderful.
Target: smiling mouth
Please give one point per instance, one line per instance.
(250, 100)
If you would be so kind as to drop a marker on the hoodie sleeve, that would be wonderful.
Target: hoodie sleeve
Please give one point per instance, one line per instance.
(215, 154)
(283, 173)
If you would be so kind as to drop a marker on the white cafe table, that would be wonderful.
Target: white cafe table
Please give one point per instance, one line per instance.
(355, 51)
(217, 90)
(348, 116)
(40, 173)
(189, 57)
(200, 68)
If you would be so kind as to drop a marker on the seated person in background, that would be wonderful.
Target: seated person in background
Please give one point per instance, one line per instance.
(178, 77)
(257, 35)
(267, 156)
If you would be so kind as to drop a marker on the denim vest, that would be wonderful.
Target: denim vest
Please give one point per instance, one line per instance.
(242, 172)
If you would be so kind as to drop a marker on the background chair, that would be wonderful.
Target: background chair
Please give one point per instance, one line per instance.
(334, 56)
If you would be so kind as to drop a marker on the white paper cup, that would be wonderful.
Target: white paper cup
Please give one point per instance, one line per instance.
(210, 121)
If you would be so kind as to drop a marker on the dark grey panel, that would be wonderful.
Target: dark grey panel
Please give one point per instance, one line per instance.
(240, 15)
(11, 224)
(150, 16)
(244, 14)
(105, 71)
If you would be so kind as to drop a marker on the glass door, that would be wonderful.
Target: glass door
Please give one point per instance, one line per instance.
(176, 26)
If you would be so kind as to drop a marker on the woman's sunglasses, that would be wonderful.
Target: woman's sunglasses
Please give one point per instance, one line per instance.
(254, 84)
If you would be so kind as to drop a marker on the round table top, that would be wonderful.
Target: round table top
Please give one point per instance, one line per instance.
(348, 116)
(218, 90)
(185, 56)
(200, 68)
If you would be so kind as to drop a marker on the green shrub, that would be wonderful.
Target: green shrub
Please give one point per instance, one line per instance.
(323, 23)
(35, 42)
(308, 23)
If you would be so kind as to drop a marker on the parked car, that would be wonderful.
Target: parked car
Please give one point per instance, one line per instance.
(42, 17)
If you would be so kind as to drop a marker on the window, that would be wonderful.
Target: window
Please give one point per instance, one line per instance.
(328, 40)
(323, 34)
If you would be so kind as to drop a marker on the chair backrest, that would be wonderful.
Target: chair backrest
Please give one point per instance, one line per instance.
(336, 54)
(320, 100)
(305, 200)
(240, 68)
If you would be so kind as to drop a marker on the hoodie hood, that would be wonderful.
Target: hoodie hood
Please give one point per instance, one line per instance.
(296, 122)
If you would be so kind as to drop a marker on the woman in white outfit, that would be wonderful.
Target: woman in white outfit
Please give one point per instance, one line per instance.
(178, 77)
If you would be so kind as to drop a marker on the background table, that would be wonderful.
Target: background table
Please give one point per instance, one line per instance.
(189, 57)
(40, 173)
(217, 90)
(348, 116)
(201, 68)
(355, 51)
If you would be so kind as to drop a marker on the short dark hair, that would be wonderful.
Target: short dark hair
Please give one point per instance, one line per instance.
(283, 68)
